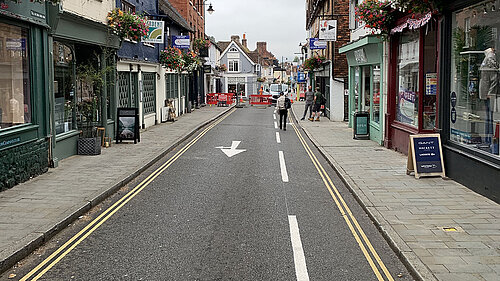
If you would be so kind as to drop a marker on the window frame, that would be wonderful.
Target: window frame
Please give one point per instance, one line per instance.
(233, 61)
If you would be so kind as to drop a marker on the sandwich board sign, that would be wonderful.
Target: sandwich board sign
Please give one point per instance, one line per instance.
(425, 156)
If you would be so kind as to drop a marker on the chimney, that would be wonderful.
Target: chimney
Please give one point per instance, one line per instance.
(244, 41)
(235, 38)
(261, 47)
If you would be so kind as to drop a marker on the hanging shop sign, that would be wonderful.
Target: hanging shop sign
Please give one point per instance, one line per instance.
(328, 30)
(316, 44)
(155, 32)
(128, 124)
(425, 156)
(412, 23)
(301, 77)
(181, 42)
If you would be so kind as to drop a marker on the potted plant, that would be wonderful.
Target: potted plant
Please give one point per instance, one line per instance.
(222, 68)
(171, 58)
(127, 25)
(376, 15)
(90, 82)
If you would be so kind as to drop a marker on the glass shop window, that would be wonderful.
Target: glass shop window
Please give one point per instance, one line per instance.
(64, 88)
(408, 78)
(376, 94)
(15, 93)
(357, 85)
(475, 98)
(431, 77)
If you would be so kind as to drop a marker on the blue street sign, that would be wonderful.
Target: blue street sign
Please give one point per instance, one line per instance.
(181, 42)
(301, 77)
(316, 44)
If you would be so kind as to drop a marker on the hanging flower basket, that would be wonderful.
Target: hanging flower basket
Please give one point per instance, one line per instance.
(223, 68)
(191, 61)
(127, 25)
(171, 58)
(200, 43)
(417, 6)
(375, 14)
(313, 63)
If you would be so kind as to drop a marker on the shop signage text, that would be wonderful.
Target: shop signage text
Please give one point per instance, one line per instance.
(425, 156)
(328, 30)
(181, 42)
(316, 44)
(155, 32)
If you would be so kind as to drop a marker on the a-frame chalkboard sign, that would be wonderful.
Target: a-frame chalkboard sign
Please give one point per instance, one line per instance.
(425, 156)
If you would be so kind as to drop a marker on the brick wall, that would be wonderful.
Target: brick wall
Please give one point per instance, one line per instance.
(20, 163)
(190, 14)
(340, 67)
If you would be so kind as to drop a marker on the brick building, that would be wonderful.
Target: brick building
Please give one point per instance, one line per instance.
(333, 76)
(193, 11)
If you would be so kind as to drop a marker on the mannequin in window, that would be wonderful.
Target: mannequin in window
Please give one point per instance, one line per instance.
(488, 88)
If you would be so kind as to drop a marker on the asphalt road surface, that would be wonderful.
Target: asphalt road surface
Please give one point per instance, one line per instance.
(241, 200)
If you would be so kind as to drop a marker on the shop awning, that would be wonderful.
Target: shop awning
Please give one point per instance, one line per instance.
(413, 23)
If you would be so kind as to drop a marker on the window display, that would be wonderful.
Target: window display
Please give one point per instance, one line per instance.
(15, 93)
(475, 97)
(357, 83)
(64, 88)
(375, 117)
(408, 78)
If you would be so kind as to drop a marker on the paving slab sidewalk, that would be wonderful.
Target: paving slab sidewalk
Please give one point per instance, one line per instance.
(32, 212)
(411, 213)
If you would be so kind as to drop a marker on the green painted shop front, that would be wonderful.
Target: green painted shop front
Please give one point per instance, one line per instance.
(24, 105)
(366, 70)
(75, 42)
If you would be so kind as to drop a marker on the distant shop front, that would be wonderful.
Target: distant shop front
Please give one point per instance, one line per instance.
(365, 59)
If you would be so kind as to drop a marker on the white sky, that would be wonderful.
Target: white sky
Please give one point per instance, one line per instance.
(281, 23)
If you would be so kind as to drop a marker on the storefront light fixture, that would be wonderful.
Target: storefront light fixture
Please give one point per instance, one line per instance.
(210, 9)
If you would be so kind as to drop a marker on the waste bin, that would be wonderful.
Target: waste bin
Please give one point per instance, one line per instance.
(361, 125)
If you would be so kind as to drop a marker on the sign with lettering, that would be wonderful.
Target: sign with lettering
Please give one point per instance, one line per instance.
(361, 125)
(328, 30)
(128, 125)
(425, 156)
(155, 32)
(316, 44)
(181, 42)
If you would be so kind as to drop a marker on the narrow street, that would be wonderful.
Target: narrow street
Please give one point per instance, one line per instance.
(241, 200)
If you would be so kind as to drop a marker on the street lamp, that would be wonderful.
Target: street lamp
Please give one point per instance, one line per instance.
(210, 9)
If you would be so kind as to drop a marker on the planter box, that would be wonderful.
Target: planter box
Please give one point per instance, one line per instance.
(89, 146)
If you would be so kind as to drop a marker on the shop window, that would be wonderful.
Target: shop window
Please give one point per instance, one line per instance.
(233, 66)
(430, 78)
(407, 82)
(15, 93)
(357, 85)
(64, 88)
(475, 98)
(375, 116)
(366, 88)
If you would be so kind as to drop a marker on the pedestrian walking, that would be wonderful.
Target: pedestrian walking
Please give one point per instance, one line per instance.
(318, 98)
(283, 104)
(309, 103)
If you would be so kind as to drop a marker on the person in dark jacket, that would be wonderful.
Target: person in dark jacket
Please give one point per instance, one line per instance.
(309, 103)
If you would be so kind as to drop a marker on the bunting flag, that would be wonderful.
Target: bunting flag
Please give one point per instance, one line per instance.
(413, 23)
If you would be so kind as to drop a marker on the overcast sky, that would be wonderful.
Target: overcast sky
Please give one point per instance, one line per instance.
(281, 23)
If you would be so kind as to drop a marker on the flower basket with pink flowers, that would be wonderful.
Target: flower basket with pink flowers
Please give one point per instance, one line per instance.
(127, 25)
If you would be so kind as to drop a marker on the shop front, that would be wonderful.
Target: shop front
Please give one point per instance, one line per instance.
(365, 58)
(24, 114)
(83, 91)
(471, 108)
(321, 79)
(412, 105)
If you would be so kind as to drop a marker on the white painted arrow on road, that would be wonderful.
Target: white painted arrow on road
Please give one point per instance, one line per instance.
(233, 150)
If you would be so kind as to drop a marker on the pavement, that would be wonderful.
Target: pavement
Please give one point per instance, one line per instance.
(414, 214)
(411, 214)
(34, 211)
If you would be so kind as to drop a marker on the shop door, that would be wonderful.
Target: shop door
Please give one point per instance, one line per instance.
(365, 88)
(149, 92)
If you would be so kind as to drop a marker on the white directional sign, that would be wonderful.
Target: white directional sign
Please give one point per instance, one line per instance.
(233, 150)
(328, 30)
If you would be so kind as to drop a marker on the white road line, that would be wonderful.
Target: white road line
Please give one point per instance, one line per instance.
(275, 125)
(278, 139)
(274, 115)
(284, 173)
(298, 251)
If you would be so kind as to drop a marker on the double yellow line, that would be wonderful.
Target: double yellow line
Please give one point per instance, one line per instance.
(349, 218)
(65, 249)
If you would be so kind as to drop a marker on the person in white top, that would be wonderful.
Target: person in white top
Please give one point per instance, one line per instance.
(282, 104)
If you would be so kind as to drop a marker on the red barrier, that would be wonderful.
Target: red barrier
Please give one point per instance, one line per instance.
(260, 99)
(220, 99)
